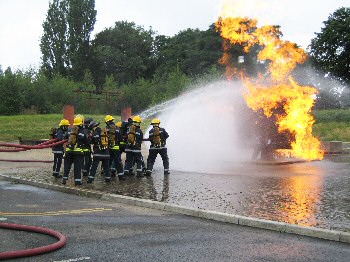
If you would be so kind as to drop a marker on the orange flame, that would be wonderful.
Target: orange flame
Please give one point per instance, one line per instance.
(283, 56)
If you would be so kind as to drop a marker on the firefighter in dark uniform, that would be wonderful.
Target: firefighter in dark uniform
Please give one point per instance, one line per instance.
(100, 152)
(86, 148)
(74, 152)
(114, 138)
(133, 147)
(157, 137)
(59, 134)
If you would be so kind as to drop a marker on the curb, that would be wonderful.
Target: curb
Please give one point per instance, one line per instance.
(333, 235)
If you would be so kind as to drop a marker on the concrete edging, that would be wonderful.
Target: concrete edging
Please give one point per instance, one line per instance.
(333, 235)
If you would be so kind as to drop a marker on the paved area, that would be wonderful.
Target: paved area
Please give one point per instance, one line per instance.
(310, 194)
(100, 230)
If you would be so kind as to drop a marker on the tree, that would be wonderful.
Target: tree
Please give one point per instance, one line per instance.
(124, 51)
(192, 50)
(12, 86)
(53, 44)
(65, 43)
(330, 50)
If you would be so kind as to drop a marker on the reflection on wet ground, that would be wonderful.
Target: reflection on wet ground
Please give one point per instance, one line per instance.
(312, 193)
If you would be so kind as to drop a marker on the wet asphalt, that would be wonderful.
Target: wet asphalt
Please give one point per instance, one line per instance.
(313, 193)
(98, 230)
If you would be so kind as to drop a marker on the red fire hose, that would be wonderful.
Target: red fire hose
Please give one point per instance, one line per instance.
(48, 142)
(35, 251)
(40, 146)
(19, 148)
(12, 150)
(23, 160)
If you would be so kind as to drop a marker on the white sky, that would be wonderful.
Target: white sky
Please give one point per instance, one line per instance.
(21, 20)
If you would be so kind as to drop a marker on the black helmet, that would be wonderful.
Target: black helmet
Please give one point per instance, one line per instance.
(88, 120)
(93, 124)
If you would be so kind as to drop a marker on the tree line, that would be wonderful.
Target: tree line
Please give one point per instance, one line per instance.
(145, 67)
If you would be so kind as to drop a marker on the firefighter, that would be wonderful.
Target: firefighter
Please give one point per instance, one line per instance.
(115, 138)
(100, 152)
(59, 134)
(86, 147)
(74, 152)
(133, 147)
(157, 137)
(124, 126)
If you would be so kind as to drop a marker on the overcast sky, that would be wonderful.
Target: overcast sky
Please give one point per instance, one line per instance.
(21, 20)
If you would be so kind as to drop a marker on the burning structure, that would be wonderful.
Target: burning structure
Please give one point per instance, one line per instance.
(282, 106)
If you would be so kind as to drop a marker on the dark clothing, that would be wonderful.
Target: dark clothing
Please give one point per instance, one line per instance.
(123, 132)
(94, 166)
(58, 151)
(77, 160)
(57, 163)
(156, 149)
(115, 138)
(163, 137)
(100, 154)
(59, 135)
(153, 153)
(87, 159)
(74, 155)
(133, 151)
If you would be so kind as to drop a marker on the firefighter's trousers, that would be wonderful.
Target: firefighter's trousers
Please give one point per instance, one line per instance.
(57, 163)
(115, 162)
(105, 165)
(86, 162)
(76, 159)
(129, 158)
(153, 153)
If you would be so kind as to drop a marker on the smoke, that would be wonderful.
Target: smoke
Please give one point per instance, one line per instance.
(207, 128)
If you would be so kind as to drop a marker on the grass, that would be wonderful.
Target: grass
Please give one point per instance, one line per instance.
(330, 125)
(36, 127)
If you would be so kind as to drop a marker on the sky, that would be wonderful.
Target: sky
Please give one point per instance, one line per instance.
(21, 20)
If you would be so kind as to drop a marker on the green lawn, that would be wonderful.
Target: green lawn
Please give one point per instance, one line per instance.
(330, 125)
(36, 126)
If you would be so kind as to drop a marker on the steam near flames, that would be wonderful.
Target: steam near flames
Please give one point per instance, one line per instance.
(276, 88)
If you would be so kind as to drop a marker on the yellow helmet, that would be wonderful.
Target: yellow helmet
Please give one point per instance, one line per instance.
(137, 119)
(64, 122)
(109, 118)
(119, 124)
(81, 116)
(78, 121)
(155, 121)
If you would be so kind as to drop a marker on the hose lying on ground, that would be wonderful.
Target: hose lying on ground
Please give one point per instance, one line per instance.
(35, 251)
(24, 160)
(40, 146)
(19, 148)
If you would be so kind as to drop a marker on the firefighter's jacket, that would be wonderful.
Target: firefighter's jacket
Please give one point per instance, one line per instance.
(124, 132)
(59, 135)
(86, 146)
(81, 139)
(115, 136)
(136, 147)
(100, 150)
(163, 137)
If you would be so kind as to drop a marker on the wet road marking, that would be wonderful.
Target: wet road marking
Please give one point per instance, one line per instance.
(73, 259)
(55, 213)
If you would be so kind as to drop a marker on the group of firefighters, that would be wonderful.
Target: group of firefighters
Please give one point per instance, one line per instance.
(88, 144)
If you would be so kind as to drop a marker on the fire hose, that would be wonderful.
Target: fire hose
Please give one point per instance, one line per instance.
(34, 251)
(39, 146)
(19, 148)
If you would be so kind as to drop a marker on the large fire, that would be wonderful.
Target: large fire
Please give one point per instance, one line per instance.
(276, 94)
